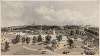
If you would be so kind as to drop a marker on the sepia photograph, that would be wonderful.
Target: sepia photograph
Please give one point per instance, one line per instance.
(49, 27)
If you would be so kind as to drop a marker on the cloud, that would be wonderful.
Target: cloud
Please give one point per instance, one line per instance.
(60, 13)
(65, 16)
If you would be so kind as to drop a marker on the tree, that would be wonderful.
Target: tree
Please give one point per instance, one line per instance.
(59, 38)
(13, 41)
(77, 31)
(27, 40)
(16, 40)
(48, 39)
(39, 38)
(6, 46)
(23, 39)
(34, 40)
(54, 43)
(70, 42)
(72, 32)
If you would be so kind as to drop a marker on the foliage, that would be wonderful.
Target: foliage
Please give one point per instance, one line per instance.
(34, 40)
(72, 32)
(27, 40)
(48, 39)
(59, 38)
(6, 46)
(39, 38)
(54, 43)
(23, 40)
(70, 42)
(16, 40)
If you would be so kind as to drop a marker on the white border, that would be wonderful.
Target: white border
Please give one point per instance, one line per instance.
(48, 0)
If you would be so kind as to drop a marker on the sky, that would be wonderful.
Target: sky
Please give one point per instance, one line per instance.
(16, 13)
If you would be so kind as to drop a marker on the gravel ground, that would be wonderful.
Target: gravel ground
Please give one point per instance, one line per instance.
(30, 49)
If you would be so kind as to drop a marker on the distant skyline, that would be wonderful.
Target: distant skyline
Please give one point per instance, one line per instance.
(16, 13)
